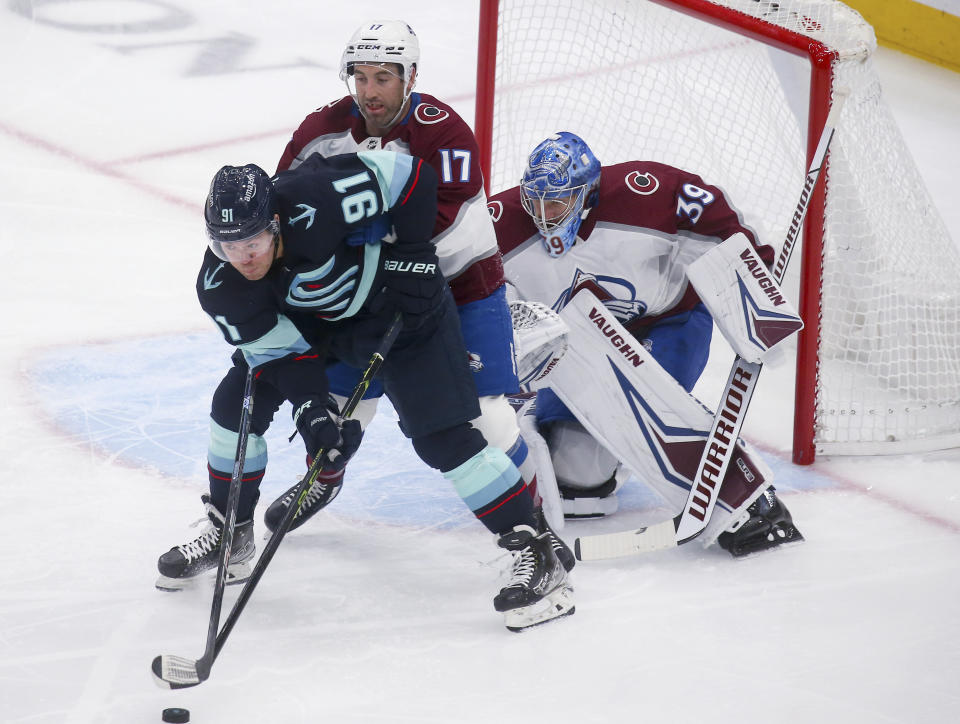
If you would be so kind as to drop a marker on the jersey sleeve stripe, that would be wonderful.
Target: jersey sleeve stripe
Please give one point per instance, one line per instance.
(414, 184)
(282, 340)
(392, 171)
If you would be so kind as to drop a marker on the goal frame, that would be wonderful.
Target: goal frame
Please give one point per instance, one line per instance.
(822, 60)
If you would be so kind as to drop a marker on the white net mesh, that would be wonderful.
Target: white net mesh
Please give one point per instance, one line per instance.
(638, 80)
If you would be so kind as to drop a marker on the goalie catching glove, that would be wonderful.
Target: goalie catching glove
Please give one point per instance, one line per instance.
(322, 430)
(540, 341)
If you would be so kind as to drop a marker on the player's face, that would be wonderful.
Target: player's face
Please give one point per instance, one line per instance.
(379, 90)
(252, 257)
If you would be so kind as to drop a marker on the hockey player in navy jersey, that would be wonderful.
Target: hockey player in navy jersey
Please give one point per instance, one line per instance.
(628, 233)
(380, 66)
(308, 269)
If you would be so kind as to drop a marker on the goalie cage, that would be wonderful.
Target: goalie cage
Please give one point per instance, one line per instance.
(737, 91)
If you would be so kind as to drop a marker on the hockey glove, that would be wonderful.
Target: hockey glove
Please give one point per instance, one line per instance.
(412, 284)
(321, 429)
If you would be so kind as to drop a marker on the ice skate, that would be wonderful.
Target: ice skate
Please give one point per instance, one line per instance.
(318, 497)
(182, 565)
(539, 589)
(560, 548)
(767, 524)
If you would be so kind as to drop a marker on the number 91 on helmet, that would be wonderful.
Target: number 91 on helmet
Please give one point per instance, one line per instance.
(239, 208)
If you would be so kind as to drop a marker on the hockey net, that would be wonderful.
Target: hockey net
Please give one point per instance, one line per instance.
(737, 91)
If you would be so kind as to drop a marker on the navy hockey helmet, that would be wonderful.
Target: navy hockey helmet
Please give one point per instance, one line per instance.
(559, 187)
(240, 206)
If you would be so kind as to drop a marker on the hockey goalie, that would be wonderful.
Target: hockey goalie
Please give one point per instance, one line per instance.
(640, 259)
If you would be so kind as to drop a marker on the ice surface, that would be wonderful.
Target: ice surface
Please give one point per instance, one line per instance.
(114, 117)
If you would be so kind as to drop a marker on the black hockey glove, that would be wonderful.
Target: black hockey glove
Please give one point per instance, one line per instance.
(412, 284)
(321, 430)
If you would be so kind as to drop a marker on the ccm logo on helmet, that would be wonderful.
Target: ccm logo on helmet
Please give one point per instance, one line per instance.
(409, 267)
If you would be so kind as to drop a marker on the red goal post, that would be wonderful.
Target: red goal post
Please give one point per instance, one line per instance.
(738, 92)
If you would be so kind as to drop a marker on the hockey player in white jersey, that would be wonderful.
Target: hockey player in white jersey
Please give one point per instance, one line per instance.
(628, 234)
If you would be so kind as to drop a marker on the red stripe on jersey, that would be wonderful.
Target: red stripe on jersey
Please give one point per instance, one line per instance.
(415, 179)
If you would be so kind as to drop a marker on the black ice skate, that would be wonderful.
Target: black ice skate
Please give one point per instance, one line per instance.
(318, 497)
(768, 524)
(538, 590)
(561, 549)
(182, 565)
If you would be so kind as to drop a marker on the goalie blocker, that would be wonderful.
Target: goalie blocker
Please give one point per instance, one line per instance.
(635, 409)
(744, 299)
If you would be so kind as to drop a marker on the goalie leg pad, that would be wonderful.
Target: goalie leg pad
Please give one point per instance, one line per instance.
(629, 403)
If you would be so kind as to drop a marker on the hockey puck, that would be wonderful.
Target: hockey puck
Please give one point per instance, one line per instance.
(176, 715)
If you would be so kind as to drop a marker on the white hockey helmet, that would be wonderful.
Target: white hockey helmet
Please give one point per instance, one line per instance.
(381, 41)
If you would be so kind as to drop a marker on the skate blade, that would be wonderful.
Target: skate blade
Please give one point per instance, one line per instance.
(557, 604)
(766, 545)
(236, 573)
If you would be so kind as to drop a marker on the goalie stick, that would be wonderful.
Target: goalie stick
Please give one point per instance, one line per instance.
(728, 419)
(178, 672)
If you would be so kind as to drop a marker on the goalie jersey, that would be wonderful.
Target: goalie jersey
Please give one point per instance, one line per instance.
(432, 130)
(650, 221)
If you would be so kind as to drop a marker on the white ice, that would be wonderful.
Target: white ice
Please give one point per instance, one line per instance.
(112, 122)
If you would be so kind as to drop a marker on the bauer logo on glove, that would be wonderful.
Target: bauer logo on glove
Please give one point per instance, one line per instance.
(410, 267)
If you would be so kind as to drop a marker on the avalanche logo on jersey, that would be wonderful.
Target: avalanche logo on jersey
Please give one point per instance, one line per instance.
(642, 183)
(625, 306)
(333, 296)
(428, 115)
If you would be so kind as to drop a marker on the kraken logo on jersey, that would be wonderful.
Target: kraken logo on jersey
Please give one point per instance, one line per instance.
(209, 275)
(617, 294)
(308, 213)
(308, 292)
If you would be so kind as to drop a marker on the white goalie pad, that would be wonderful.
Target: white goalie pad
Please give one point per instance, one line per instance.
(633, 407)
(539, 339)
(748, 306)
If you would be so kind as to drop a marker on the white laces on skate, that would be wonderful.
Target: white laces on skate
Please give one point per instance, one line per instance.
(200, 546)
(524, 565)
(313, 495)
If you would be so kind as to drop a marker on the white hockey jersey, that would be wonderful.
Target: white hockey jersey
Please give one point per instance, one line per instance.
(651, 220)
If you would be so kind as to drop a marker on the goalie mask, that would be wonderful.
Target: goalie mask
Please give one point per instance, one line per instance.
(559, 187)
(382, 43)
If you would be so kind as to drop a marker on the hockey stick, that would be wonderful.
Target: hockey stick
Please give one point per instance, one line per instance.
(229, 522)
(728, 420)
(177, 672)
